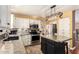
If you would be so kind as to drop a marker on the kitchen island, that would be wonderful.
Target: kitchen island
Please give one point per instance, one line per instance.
(54, 44)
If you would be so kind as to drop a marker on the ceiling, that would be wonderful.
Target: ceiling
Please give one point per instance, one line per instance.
(32, 10)
(40, 10)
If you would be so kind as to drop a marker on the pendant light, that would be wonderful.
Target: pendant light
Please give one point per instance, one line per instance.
(54, 14)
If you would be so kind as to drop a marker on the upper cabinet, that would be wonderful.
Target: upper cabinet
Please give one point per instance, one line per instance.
(4, 15)
(64, 27)
(24, 22)
(21, 23)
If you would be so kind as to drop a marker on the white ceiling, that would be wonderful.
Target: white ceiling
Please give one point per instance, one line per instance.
(40, 10)
(33, 10)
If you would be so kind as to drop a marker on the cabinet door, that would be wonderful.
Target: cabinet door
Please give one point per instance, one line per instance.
(21, 23)
(26, 40)
(5, 15)
(50, 48)
(64, 27)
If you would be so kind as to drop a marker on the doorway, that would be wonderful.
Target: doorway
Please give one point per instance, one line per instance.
(76, 27)
(54, 29)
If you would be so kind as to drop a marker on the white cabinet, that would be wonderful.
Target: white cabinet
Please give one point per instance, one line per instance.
(4, 15)
(64, 27)
(26, 39)
(21, 23)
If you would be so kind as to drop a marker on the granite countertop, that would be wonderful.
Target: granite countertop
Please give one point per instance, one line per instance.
(57, 38)
(1, 33)
(29, 34)
(12, 47)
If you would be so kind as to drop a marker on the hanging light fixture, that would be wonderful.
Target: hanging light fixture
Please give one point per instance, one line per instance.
(53, 7)
(54, 11)
(54, 14)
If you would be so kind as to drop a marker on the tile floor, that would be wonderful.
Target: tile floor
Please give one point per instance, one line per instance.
(36, 49)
